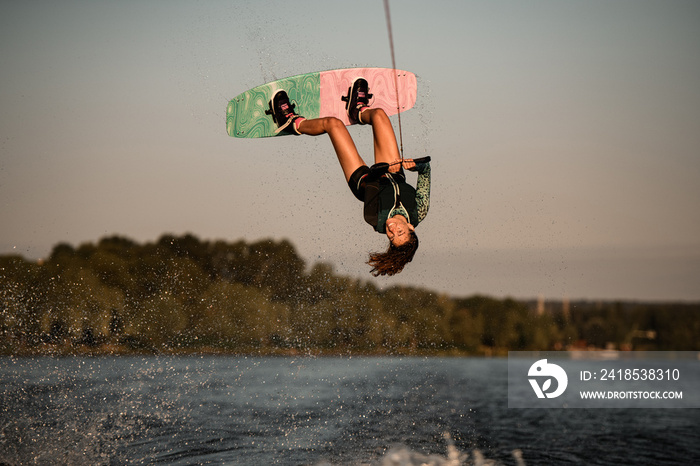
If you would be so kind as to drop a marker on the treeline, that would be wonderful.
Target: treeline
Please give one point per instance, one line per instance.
(183, 294)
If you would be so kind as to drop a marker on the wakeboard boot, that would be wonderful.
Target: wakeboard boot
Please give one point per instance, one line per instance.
(283, 114)
(357, 99)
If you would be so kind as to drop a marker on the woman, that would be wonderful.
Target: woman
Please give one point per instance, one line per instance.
(392, 206)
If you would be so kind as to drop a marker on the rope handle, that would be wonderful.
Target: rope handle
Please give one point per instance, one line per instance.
(425, 159)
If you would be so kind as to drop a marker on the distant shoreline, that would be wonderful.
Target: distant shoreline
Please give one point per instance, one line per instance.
(182, 296)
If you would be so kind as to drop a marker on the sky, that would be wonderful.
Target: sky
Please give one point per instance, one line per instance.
(565, 136)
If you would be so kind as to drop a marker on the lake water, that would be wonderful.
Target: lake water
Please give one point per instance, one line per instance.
(310, 411)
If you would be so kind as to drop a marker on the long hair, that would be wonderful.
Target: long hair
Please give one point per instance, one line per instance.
(393, 260)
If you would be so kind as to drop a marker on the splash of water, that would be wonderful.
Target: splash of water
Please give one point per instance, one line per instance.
(405, 457)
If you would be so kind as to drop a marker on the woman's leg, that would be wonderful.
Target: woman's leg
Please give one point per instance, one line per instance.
(343, 144)
(385, 147)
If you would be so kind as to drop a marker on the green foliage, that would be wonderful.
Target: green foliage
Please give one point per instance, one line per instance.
(183, 294)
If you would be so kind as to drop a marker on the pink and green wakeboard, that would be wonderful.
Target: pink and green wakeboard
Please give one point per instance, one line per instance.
(318, 95)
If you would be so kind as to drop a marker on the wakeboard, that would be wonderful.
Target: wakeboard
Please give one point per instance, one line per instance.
(317, 95)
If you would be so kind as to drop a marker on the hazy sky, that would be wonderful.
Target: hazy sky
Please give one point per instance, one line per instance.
(565, 136)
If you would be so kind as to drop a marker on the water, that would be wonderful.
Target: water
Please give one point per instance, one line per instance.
(310, 411)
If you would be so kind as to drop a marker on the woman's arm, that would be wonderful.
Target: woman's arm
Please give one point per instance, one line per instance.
(423, 190)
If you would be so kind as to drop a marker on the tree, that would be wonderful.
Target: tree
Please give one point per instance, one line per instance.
(82, 305)
(235, 315)
(157, 321)
(20, 299)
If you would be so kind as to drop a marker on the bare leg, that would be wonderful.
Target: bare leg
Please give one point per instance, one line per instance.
(385, 147)
(343, 144)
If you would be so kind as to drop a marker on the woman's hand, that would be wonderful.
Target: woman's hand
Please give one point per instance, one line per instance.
(408, 164)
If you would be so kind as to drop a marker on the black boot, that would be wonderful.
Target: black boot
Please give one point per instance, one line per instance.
(357, 99)
(283, 113)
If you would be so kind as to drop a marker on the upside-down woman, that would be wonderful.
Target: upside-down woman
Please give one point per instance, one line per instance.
(391, 205)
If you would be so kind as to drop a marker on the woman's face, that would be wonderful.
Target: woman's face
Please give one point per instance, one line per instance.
(398, 230)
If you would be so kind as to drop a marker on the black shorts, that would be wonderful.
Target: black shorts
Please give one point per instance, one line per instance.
(357, 182)
(357, 186)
